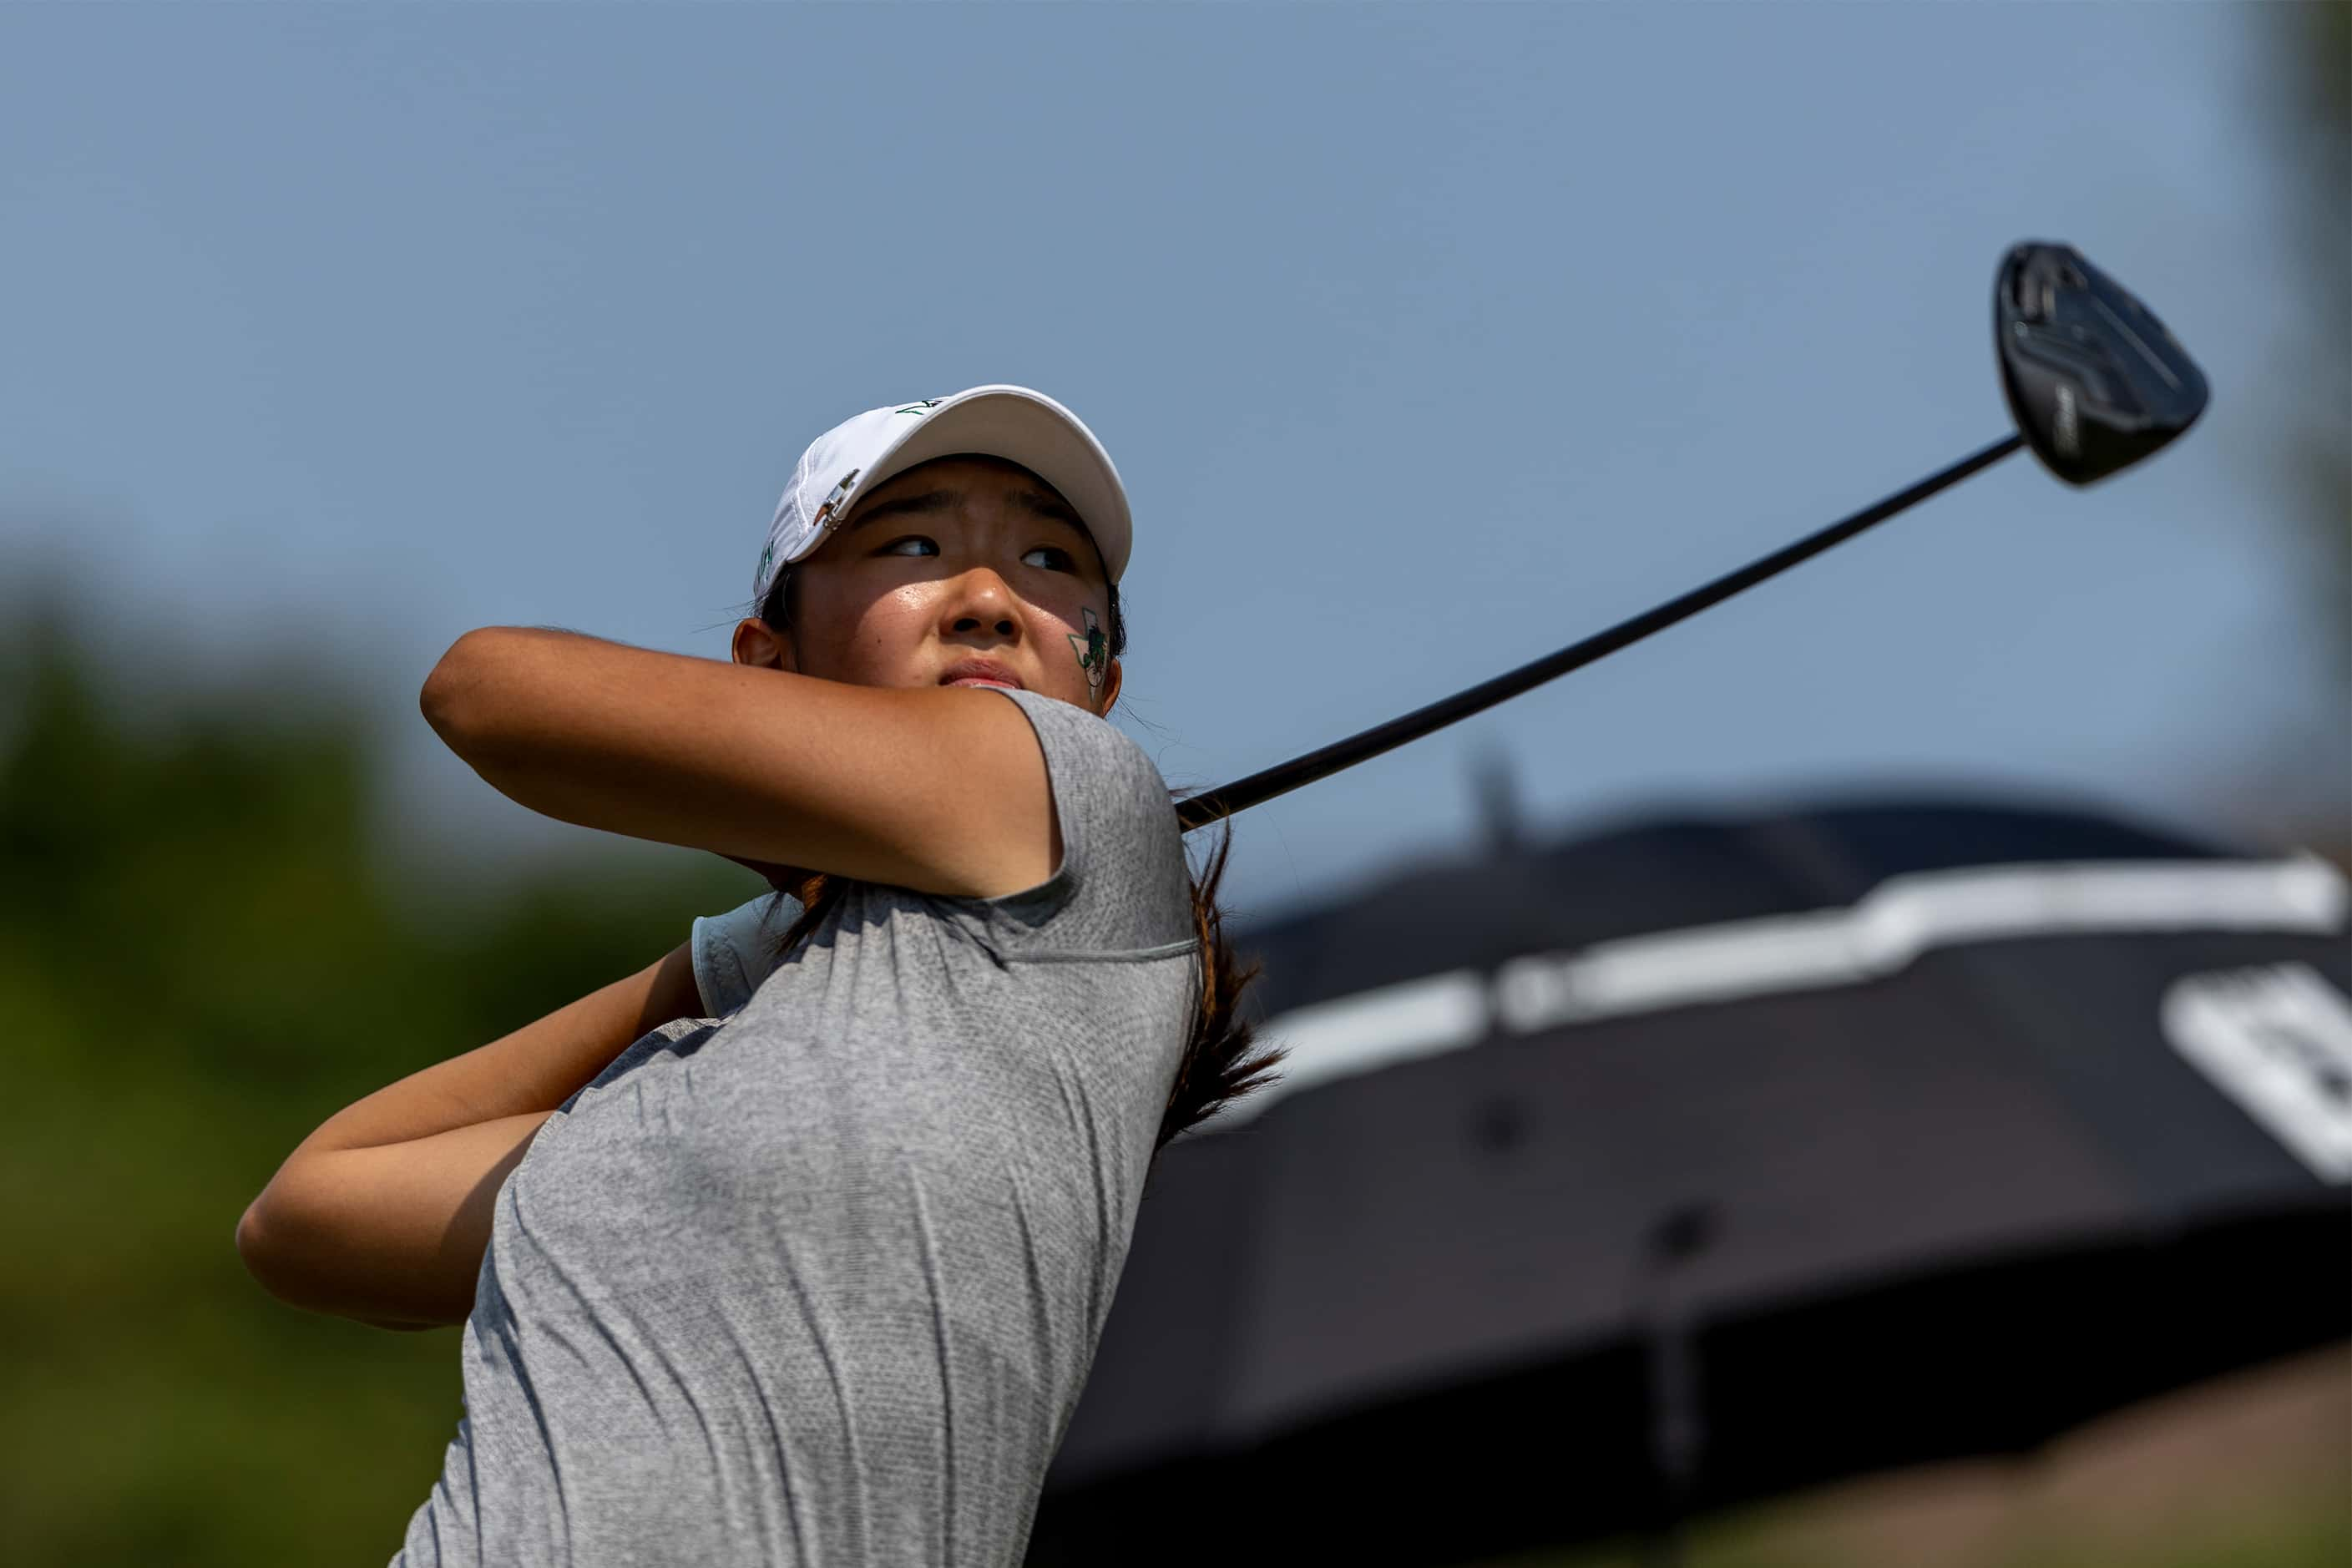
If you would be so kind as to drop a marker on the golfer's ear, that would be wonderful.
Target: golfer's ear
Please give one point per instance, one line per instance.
(757, 643)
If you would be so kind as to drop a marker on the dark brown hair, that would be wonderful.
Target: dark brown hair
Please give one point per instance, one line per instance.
(1218, 1063)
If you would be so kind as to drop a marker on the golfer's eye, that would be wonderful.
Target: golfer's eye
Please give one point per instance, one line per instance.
(913, 544)
(1054, 558)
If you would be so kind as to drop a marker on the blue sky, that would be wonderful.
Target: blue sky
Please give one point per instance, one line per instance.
(1427, 340)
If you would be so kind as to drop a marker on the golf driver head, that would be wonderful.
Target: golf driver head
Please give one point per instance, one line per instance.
(2092, 378)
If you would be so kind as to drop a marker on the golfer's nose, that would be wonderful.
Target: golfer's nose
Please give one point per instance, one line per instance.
(982, 605)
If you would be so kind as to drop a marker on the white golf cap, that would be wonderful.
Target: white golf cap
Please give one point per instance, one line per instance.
(997, 421)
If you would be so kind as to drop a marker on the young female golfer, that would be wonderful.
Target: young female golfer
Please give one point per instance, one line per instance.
(810, 1271)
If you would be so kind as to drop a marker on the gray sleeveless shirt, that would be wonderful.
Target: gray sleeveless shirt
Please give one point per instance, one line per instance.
(819, 1282)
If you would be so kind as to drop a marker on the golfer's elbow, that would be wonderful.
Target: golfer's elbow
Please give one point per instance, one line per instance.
(267, 1262)
(253, 1250)
(282, 1278)
(452, 697)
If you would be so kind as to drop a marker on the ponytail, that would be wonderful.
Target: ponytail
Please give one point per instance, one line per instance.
(1218, 1066)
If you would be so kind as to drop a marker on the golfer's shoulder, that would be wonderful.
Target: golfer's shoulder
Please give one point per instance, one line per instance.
(1093, 761)
(1120, 841)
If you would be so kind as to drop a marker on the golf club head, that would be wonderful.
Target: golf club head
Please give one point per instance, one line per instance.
(2092, 378)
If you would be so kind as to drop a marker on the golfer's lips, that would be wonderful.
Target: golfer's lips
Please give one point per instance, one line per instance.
(978, 671)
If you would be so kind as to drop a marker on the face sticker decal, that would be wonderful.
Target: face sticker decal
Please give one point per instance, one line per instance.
(1093, 650)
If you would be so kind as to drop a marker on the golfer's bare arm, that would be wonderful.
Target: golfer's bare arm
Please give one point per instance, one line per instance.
(933, 788)
(383, 1214)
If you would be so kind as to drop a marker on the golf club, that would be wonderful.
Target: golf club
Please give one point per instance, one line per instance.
(2094, 381)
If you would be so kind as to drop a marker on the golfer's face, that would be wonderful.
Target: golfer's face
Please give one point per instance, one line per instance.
(959, 571)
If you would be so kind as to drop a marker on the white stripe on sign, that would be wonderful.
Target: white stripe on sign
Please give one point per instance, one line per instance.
(1897, 921)
(1906, 916)
(1372, 1029)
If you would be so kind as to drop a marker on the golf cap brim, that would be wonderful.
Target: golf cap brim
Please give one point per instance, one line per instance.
(1015, 423)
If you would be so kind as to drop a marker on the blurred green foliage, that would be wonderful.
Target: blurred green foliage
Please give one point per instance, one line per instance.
(200, 961)
(2313, 1533)
(2252, 1470)
(2307, 108)
(2311, 114)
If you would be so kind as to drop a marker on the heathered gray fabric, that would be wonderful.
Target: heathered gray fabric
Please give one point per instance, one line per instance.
(818, 1284)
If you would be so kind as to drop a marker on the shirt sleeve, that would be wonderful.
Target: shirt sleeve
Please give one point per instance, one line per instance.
(1122, 886)
(735, 951)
